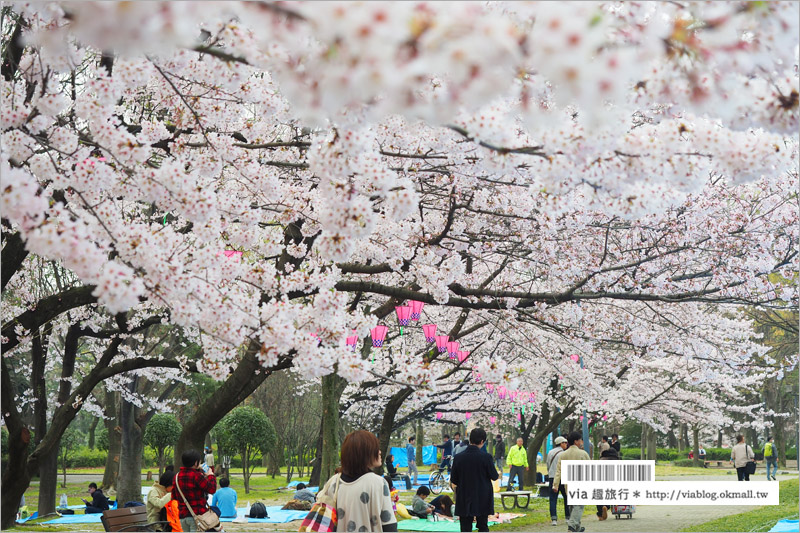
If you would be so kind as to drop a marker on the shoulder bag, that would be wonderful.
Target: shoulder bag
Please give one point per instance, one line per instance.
(750, 467)
(322, 516)
(208, 521)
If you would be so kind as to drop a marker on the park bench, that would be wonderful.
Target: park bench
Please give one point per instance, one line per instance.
(515, 495)
(719, 463)
(128, 519)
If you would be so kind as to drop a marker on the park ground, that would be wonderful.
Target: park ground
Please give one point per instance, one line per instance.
(536, 518)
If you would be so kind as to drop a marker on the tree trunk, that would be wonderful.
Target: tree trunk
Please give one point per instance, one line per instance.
(129, 487)
(92, 430)
(685, 437)
(680, 437)
(246, 470)
(643, 453)
(719, 439)
(48, 482)
(17, 474)
(673, 440)
(316, 468)
(696, 445)
(114, 432)
(387, 422)
(241, 383)
(332, 389)
(546, 424)
(651, 444)
(596, 443)
(420, 440)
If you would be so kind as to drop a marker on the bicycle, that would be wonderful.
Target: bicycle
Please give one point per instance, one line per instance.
(439, 480)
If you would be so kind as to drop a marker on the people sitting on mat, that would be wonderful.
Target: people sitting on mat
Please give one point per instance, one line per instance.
(159, 495)
(225, 499)
(304, 494)
(418, 506)
(99, 501)
(392, 472)
(443, 505)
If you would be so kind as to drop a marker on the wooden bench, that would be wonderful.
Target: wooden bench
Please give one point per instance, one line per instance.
(515, 495)
(128, 519)
(719, 463)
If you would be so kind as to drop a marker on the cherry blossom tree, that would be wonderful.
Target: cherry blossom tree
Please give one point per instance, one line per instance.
(257, 172)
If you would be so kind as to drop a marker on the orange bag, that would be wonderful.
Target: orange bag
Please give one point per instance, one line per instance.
(173, 516)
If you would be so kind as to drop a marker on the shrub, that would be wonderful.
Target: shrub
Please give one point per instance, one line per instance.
(83, 457)
(683, 462)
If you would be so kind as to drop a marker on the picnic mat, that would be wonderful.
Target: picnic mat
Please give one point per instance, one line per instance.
(418, 524)
(77, 519)
(786, 525)
(276, 516)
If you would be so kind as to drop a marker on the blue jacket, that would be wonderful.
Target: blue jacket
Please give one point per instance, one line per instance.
(225, 498)
(447, 447)
(411, 453)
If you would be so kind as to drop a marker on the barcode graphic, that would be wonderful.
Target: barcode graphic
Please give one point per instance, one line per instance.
(608, 471)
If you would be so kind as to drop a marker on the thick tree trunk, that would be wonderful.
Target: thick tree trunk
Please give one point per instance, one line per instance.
(332, 389)
(114, 433)
(643, 444)
(17, 474)
(129, 487)
(387, 422)
(547, 424)
(316, 467)
(241, 383)
(696, 445)
(680, 437)
(719, 439)
(48, 483)
(651, 444)
(673, 440)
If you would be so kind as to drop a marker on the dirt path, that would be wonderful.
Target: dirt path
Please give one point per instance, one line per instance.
(652, 518)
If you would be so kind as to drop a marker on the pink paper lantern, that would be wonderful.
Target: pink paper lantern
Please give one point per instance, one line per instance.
(605, 417)
(492, 419)
(533, 397)
(452, 349)
(462, 356)
(429, 330)
(378, 334)
(513, 395)
(519, 416)
(575, 357)
(467, 415)
(580, 418)
(501, 392)
(403, 313)
(438, 415)
(416, 309)
(351, 342)
(490, 387)
(441, 342)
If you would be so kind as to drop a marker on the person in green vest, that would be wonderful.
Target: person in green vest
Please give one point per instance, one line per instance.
(517, 460)
(771, 457)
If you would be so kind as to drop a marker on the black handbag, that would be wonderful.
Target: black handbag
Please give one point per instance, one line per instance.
(750, 467)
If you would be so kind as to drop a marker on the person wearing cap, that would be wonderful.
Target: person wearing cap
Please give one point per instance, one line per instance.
(559, 445)
(499, 453)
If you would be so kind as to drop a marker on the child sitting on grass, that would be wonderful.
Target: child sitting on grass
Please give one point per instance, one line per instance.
(418, 506)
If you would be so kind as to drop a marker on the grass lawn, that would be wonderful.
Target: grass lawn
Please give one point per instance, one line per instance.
(761, 519)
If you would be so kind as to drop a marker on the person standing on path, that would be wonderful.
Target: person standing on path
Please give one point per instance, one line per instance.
(447, 453)
(560, 444)
(499, 454)
(471, 479)
(741, 454)
(411, 457)
(573, 453)
(771, 458)
(517, 460)
(615, 443)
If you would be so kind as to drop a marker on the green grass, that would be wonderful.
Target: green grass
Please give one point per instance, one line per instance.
(761, 519)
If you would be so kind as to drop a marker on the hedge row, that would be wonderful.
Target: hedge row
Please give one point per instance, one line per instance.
(712, 454)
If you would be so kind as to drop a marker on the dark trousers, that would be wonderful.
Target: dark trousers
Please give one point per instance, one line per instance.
(92, 510)
(554, 500)
(519, 471)
(445, 463)
(741, 472)
(481, 521)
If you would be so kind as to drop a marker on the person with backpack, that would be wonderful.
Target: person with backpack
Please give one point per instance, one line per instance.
(771, 458)
(741, 454)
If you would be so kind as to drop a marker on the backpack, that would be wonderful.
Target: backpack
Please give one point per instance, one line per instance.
(258, 510)
(768, 449)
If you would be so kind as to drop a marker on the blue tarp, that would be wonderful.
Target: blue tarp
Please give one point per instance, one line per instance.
(276, 516)
(428, 456)
(786, 525)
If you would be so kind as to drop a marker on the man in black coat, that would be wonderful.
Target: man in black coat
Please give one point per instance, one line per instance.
(472, 476)
(99, 501)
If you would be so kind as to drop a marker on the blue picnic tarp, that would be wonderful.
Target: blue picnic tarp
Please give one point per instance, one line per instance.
(428, 456)
(786, 525)
(276, 516)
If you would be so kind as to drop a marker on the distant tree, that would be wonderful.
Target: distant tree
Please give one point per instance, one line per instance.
(162, 433)
(247, 431)
(70, 442)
